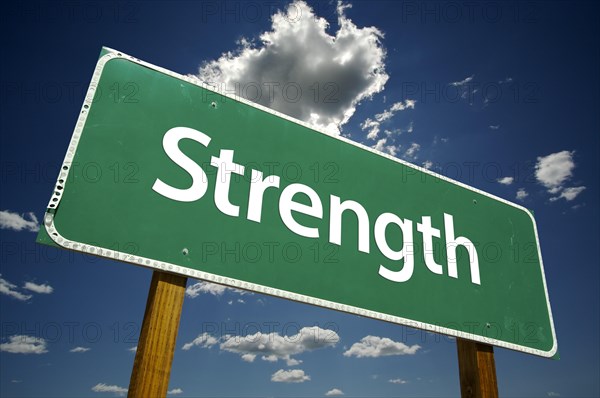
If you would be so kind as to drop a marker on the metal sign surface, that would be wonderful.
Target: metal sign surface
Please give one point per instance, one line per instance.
(167, 173)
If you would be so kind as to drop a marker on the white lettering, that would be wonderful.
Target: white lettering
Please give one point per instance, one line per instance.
(199, 180)
(407, 250)
(287, 205)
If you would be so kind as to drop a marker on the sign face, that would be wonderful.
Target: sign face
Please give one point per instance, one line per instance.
(164, 172)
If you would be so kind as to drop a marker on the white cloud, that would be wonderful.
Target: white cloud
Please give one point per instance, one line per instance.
(101, 387)
(373, 126)
(494, 126)
(132, 349)
(204, 340)
(508, 79)
(389, 149)
(335, 392)
(398, 106)
(14, 221)
(270, 347)
(293, 362)
(199, 288)
(411, 152)
(41, 289)
(175, 391)
(462, 82)
(248, 357)
(506, 180)
(373, 346)
(554, 170)
(21, 344)
(553, 394)
(196, 289)
(273, 347)
(568, 194)
(397, 381)
(522, 194)
(332, 72)
(289, 376)
(80, 349)
(428, 164)
(10, 290)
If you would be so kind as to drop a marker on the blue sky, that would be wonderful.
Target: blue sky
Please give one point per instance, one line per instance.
(502, 96)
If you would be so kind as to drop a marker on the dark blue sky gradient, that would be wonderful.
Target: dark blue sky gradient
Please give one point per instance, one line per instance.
(549, 49)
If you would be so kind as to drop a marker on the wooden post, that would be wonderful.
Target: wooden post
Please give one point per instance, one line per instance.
(477, 370)
(156, 346)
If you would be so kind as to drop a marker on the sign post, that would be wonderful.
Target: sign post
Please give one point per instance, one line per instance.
(156, 345)
(477, 370)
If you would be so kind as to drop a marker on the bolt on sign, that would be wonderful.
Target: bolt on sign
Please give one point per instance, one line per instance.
(164, 172)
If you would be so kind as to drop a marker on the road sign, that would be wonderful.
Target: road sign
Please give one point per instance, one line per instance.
(165, 172)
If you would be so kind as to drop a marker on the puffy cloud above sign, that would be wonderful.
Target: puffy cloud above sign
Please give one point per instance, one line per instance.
(302, 70)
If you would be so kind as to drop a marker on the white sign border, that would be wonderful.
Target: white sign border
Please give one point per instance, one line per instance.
(238, 284)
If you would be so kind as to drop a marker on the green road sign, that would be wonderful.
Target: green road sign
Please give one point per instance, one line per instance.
(164, 172)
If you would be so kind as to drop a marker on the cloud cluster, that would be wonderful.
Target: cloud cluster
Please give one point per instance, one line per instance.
(382, 146)
(374, 347)
(335, 392)
(270, 347)
(17, 222)
(411, 152)
(22, 344)
(12, 290)
(289, 376)
(554, 171)
(301, 70)
(373, 127)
